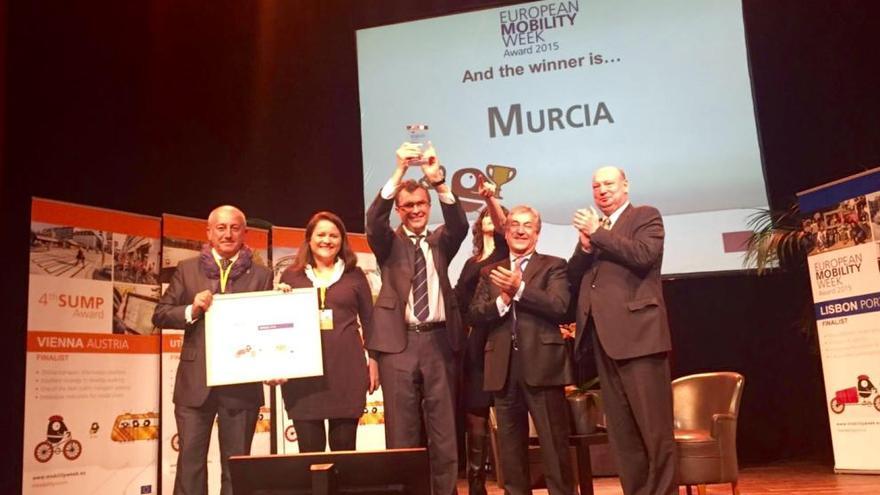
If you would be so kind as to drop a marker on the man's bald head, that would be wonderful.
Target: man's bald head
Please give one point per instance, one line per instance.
(228, 209)
(610, 170)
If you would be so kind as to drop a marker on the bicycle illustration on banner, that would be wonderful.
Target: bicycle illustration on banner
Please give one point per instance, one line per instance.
(863, 394)
(58, 441)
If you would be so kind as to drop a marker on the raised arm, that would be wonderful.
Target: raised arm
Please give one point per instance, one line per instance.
(378, 226)
(455, 224)
(496, 213)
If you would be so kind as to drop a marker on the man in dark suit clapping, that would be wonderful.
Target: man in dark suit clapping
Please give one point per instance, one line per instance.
(418, 327)
(621, 314)
(224, 265)
(522, 300)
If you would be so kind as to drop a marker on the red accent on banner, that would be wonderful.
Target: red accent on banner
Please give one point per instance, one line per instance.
(90, 217)
(287, 237)
(736, 242)
(359, 243)
(257, 238)
(172, 343)
(193, 229)
(91, 343)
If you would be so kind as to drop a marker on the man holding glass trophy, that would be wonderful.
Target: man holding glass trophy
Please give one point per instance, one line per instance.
(418, 327)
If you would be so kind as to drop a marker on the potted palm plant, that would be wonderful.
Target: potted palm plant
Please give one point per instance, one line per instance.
(778, 239)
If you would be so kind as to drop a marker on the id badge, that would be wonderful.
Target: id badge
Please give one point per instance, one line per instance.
(326, 319)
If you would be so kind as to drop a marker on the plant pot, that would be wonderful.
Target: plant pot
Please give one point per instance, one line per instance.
(585, 412)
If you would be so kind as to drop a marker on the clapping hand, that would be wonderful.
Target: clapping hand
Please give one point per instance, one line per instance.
(586, 220)
(507, 280)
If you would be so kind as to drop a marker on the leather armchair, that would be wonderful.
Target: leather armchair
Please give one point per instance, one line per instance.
(705, 408)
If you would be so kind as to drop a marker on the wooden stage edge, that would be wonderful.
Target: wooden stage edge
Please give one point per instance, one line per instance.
(789, 478)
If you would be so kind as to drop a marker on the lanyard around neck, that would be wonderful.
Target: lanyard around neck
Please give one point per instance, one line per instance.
(224, 274)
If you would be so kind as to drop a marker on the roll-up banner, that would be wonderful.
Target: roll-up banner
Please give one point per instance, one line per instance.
(842, 227)
(183, 238)
(92, 393)
(286, 242)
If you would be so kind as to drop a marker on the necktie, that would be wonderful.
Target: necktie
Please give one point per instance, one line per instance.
(420, 282)
(605, 223)
(224, 273)
(518, 264)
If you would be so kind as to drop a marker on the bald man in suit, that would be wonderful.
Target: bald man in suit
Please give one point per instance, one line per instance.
(225, 265)
(622, 315)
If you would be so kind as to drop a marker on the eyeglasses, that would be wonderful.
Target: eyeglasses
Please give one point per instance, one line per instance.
(413, 204)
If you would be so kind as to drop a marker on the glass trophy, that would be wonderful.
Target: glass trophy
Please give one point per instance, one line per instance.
(417, 134)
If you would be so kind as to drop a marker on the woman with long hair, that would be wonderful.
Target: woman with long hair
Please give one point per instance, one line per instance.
(326, 262)
(489, 247)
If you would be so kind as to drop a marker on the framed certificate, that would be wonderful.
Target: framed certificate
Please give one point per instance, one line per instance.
(257, 336)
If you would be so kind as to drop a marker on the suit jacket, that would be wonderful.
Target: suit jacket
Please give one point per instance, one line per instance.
(619, 283)
(538, 313)
(190, 386)
(395, 254)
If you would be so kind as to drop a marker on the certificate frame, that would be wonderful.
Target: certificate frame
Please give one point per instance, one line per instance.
(258, 336)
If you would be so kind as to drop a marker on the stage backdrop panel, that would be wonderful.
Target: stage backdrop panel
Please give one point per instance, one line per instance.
(92, 393)
(536, 96)
(182, 238)
(841, 226)
(286, 242)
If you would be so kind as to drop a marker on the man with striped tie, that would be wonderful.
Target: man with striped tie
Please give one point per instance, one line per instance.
(418, 329)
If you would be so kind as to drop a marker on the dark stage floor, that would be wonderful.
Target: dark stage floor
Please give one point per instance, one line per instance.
(776, 479)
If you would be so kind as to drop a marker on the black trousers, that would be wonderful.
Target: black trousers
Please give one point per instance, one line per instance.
(548, 408)
(420, 382)
(637, 398)
(312, 436)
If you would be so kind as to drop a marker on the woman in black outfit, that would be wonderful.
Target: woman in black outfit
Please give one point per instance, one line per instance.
(325, 261)
(489, 247)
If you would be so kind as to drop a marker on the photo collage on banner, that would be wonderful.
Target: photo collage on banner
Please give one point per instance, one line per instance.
(92, 402)
(840, 227)
(183, 238)
(286, 242)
